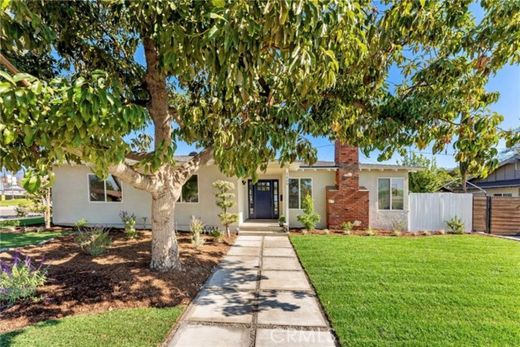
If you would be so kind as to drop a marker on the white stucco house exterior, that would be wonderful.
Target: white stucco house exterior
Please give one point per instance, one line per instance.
(383, 192)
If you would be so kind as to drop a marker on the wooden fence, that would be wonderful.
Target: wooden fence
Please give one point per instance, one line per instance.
(496, 214)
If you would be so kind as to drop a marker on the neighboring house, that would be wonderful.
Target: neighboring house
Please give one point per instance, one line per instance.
(503, 181)
(343, 190)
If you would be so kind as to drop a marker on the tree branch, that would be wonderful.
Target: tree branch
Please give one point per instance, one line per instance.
(156, 85)
(183, 172)
(126, 173)
(11, 68)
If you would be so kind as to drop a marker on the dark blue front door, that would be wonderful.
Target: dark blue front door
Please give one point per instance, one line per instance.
(263, 199)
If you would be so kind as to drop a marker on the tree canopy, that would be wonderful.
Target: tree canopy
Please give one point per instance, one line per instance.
(430, 178)
(250, 79)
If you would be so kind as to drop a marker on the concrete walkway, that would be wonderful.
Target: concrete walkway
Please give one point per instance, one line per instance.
(258, 296)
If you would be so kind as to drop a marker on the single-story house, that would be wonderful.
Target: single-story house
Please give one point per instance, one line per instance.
(376, 195)
(503, 181)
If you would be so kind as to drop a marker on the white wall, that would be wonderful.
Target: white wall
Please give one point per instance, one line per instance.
(71, 200)
(320, 180)
(430, 211)
(384, 219)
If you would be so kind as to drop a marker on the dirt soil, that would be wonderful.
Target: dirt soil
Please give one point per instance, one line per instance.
(120, 278)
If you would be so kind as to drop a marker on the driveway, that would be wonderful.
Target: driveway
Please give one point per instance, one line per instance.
(258, 296)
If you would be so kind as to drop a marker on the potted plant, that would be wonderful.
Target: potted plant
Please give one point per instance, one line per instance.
(281, 221)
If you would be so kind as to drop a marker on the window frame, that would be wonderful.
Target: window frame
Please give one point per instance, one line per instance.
(181, 201)
(503, 195)
(391, 196)
(299, 191)
(104, 190)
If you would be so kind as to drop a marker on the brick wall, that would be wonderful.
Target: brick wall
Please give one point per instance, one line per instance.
(346, 201)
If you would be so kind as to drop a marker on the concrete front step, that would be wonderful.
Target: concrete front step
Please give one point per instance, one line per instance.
(262, 233)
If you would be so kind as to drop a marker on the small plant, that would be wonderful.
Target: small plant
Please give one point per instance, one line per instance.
(144, 219)
(369, 232)
(9, 224)
(455, 225)
(281, 221)
(20, 280)
(347, 227)
(396, 232)
(94, 242)
(309, 218)
(196, 228)
(81, 224)
(218, 235)
(225, 199)
(23, 208)
(398, 224)
(129, 220)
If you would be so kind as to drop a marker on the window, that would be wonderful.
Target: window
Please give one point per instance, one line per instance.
(190, 190)
(390, 194)
(503, 194)
(298, 189)
(108, 190)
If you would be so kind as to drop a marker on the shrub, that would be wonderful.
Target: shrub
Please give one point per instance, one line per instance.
(218, 235)
(309, 218)
(81, 224)
(282, 220)
(129, 220)
(225, 199)
(10, 224)
(369, 232)
(23, 208)
(20, 280)
(94, 242)
(196, 228)
(455, 225)
(347, 227)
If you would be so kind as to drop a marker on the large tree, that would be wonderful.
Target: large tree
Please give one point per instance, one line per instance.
(244, 80)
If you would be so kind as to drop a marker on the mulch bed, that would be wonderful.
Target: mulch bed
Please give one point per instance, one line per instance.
(120, 278)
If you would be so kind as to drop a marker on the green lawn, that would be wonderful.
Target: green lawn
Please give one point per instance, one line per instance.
(13, 240)
(128, 327)
(436, 291)
(13, 202)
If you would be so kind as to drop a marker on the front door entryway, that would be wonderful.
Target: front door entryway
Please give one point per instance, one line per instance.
(263, 199)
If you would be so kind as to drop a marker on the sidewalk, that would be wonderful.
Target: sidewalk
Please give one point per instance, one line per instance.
(259, 296)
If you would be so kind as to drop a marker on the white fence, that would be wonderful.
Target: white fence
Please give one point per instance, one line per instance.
(430, 211)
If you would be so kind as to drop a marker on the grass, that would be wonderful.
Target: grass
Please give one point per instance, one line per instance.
(436, 291)
(14, 240)
(126, 327)
(12, 202)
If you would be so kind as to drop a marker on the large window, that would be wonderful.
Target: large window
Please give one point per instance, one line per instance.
(298, 189)
(108, 190)
(190, 190)
(390, 194)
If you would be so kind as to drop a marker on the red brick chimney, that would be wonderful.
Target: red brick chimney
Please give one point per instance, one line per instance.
(346, 202)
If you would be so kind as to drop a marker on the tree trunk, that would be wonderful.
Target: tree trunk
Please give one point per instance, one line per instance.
(47, 212)
(165, 250)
